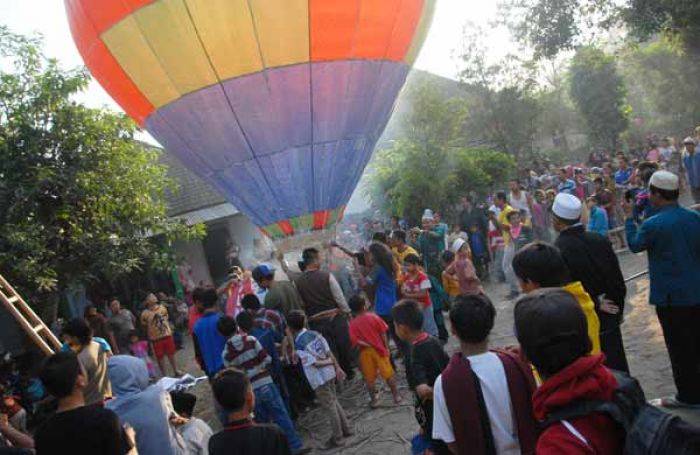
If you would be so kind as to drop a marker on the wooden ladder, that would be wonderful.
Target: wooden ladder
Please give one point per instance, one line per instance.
(32, 324)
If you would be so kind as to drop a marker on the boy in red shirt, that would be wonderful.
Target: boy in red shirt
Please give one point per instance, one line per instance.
(368, 333)
(416, 286)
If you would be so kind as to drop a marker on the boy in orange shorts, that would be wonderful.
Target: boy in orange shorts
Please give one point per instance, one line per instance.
(368, 333)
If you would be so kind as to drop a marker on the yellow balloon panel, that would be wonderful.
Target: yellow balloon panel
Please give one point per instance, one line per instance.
(130, 48)
(283, 30)
(228, 35)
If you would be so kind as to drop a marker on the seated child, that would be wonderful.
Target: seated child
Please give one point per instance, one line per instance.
(194, 431)
(321, 369)
(481, 386)
(368, 332)
(245, 352)
(139, 348)
(551, 330)
(242, 436)
(427, 360)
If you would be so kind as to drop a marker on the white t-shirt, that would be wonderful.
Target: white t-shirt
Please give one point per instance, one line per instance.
(494, 385)
(196, 434)
(520, 203)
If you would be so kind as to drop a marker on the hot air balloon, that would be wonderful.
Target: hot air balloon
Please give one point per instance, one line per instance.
(278, 104)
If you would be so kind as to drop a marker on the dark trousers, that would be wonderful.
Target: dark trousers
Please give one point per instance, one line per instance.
(337, 332)
(611, 342)
(681, 327)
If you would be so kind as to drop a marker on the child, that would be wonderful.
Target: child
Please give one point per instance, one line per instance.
(480, 253)
(245, 352)
(463, 270)
(269, 341)
(416, 286)
(551, 330)
(597, 217)
(477, 382)
(234, 394)
(427, 360)
(76, 427)
(368, 333)
(540, 265)
(449, 283)
(139, 348)
(321, 369)
(195, 432)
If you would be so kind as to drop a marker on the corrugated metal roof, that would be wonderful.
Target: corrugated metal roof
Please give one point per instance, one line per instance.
(206, 214)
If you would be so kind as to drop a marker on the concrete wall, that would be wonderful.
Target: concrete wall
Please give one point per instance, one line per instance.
(193, 252)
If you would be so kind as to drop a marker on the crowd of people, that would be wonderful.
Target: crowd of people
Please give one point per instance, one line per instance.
(272, 347)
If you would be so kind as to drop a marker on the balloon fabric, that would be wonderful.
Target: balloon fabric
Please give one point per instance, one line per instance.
(278, 104)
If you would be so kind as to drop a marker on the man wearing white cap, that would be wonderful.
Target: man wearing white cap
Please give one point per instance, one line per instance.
(592, 261)
(671, 239)
(431, 244)
(691, 162)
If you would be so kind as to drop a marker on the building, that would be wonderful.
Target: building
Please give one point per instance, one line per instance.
(228, 231)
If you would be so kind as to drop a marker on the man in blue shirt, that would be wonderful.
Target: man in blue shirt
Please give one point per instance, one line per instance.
(566, 185)
(691, 162)
(623, 174)
(208, 342)
(671, 239)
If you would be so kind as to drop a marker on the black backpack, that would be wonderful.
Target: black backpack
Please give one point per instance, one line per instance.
(649, 430)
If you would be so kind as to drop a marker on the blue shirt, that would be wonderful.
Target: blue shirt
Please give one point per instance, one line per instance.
(692, 168)
(622, 177)
(568, 186)
(671, 239)
(598, 221)
(210, 342)
(385, 290)
(267, 339)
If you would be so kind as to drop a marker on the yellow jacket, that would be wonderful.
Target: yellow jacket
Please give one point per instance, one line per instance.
(584, 300)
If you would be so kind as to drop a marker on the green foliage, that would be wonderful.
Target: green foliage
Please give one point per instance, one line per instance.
(79, 198)
(663, 83)
(551, 26)
(599, 94)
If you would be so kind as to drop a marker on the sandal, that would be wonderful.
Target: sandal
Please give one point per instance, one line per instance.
(671, 403)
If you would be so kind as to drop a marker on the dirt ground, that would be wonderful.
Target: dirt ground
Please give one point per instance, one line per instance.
(388, 429)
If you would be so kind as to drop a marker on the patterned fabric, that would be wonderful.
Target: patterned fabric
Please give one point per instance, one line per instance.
(246, 352)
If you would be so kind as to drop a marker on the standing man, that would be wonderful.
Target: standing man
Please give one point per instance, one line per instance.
(470, 216)
(565, 185)
(122, 322)
(281, 296)
(208, 342)
(160, 334)
(593, 262)
(325, 307)
(671, 239)
(691, 162)
(431, 244)
(519, 199)
(502, 224)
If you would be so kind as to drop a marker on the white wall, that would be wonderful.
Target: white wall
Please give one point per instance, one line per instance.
(193, 252)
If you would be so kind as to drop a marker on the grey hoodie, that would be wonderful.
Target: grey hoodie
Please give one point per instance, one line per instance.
(146, 408)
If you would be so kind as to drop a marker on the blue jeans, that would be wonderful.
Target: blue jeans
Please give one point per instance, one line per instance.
(269, 407)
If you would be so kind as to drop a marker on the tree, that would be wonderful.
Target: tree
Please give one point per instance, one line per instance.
(502, 110)
(551, 26)
(80, 200)
(599, 94)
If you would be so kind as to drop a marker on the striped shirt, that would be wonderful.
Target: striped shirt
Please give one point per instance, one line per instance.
(270, 319)
(246, 353)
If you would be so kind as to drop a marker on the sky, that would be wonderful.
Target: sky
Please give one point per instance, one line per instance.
(48, 18)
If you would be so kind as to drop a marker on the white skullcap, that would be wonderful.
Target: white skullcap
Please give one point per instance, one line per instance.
(688, 140)
(567, 207)
(428, 215)
(458, 244)
(664, 180)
